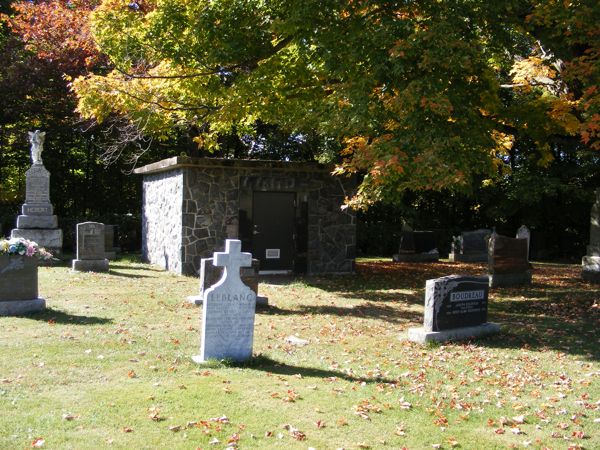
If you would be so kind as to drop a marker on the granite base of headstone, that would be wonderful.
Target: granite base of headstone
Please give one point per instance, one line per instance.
(228, 310)
(90, 248)
(37, 221)
(417, 246)
(508, 263)
(19, 286)
(455, 309)
(590, 264)
(210, 274)
(470, 246)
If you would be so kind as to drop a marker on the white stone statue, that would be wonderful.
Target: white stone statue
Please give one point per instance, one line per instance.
(37, 145)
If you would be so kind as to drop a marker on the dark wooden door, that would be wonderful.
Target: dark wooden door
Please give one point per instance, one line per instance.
(273, 230)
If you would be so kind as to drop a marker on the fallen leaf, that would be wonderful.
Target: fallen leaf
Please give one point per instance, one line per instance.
(175, 428)
(38, 443)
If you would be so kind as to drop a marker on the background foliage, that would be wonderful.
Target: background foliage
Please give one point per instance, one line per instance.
(457, 114)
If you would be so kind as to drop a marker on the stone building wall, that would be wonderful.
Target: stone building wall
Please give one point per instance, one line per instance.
(162, 218)
(212, 194)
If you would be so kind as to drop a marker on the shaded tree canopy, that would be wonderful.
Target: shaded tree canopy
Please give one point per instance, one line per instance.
(421, 95)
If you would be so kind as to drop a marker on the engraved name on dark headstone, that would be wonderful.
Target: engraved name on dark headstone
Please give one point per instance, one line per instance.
(455, 302)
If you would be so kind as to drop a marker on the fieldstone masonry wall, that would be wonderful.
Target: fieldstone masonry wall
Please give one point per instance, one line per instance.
(191, 206)
(161, 221)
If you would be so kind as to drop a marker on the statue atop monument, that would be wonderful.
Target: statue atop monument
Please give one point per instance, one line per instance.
(37, 145)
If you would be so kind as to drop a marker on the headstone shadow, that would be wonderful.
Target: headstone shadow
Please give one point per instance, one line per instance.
(266, 364)
(62, 317)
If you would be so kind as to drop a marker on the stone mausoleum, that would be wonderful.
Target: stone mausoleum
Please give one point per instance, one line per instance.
(287, 214)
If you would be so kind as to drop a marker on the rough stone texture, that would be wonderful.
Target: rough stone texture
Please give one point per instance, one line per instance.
(510, 279)
(192, 205)
(37, 222)
(162, 220)
(422, 336)
(228, 310)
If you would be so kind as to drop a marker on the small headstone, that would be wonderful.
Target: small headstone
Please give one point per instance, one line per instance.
(470, 246)
(455, 308)
(228, 310)
(591, 262)
(508, 264)
(90, 248)
(417, 246)
(110, 249)
(524, 233)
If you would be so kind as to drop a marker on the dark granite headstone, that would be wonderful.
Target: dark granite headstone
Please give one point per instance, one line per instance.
(455, 308)
(424, 241)
(407, 242)
(455, 301)
(470, 246)
(508, 263)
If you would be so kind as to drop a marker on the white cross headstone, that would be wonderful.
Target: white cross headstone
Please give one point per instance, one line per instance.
(228, 309)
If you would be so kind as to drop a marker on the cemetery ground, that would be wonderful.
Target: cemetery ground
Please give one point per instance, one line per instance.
(108, 365)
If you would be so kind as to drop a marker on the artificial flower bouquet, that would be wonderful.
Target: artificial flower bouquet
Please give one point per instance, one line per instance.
(23, 247)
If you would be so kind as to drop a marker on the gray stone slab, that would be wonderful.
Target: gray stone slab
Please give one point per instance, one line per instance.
(90, 241)
(90, 265)
(42, 222)
(199, 301)
(37, 209)
(228, 310)
(422, 336)
(524, 233)
(37, 184)
(18, 278)
(510, 279)
(51, 240)
(19, 307)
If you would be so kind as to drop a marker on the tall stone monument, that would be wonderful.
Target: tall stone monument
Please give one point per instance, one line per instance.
(591, 262)
(37, 221)
(228, 309)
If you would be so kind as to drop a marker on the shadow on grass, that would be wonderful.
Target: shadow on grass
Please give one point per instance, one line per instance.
(145, 267)
(266, 364)
(126, 275)
(58, 316)
(369, 310)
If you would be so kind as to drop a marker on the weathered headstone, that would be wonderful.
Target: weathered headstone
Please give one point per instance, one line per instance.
(508, 264)
(110, 249)
(470, 246)
(228, 309)
(455, 308)
(524, 233)
(90, 248)
(417, 246)
(210, 274)
(591, 262)
(37, 221)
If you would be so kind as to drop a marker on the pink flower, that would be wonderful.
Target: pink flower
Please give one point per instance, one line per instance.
(30, 250)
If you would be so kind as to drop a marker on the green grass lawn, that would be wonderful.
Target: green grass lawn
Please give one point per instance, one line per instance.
(108, 365)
